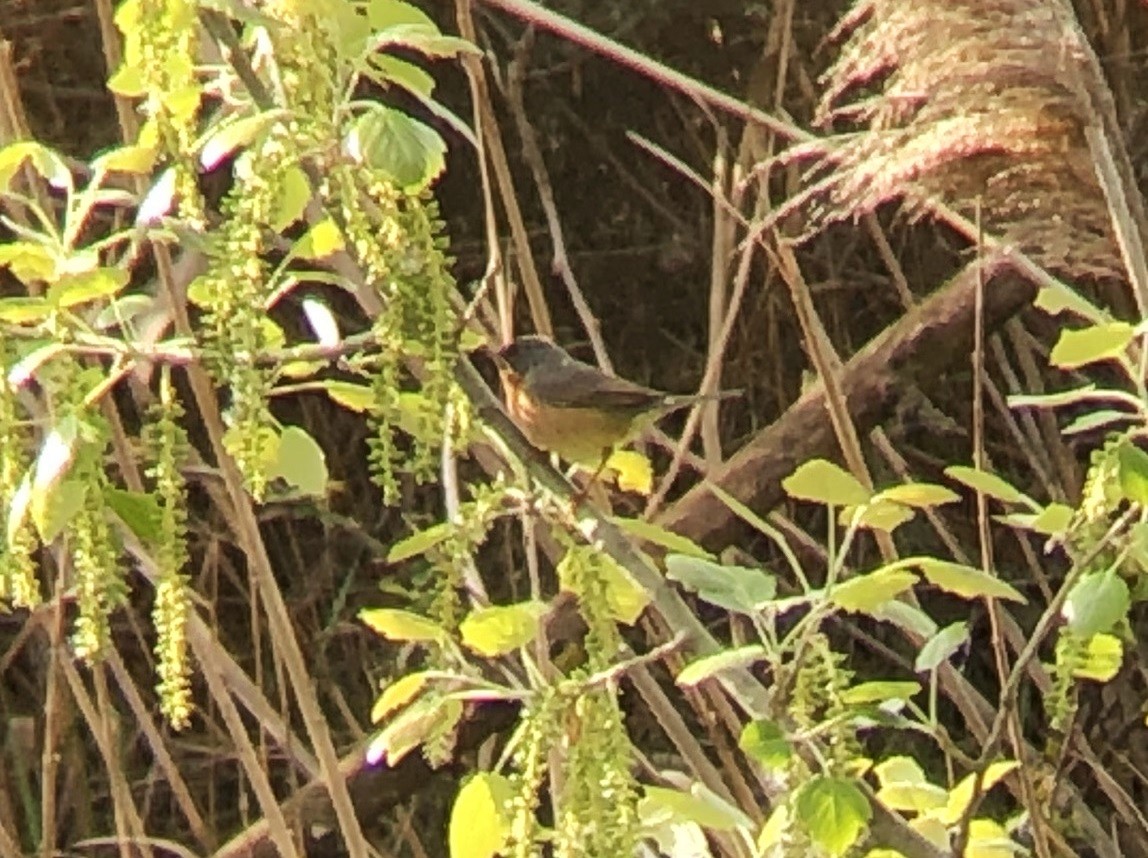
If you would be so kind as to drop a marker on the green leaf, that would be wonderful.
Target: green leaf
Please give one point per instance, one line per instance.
(1133, 464)
(55, 459)
(767, 743)
(878, 514)
(392, 70)
(419, 542)
(735, 588)
(625, 597)
(501, 629)
(291, 197)
(699, 806)
(899, 770)
(1102, 660)
(1077, 348)
(320, 241)
(29, 262)
(235, 135)
(961, 796)
(57, 507)
(355, 397)
(918, 495)
(1058, 298)
(965, 581)
(941, 647)
(985, 483)
(1097, 603)
(905, 616)
(301, 462)
(1096, 419)
(426, 40)
(707, 666)
(880, 692)
(481, 817)
(913, 797)
(420, 722)
(133, 160)
(408, 151)
(864, 593)
(396, 625)
(73, 289)
(398, 694)
(834, 811)
(1053, 520)
(140, 511)
(823, 482)
(657, 535)
(19, 311)
(384, 14)
(46, 163)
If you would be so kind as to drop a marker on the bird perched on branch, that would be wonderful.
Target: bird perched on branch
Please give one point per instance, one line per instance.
(571, 408)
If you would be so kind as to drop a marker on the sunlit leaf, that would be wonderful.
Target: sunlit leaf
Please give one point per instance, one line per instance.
(1102, 660)
(398, 694)
(834, 811)
(1096, 603)
(301, 462)
(356, 397)
(921, 495)
(1133, 472)
(419, 542)
(941, 647)
(961, 796)
(767, 743)
(481, 817)
(501, 629)
(985, 483)
(659, 536)
(863, 593)
(880, 691)
(710, 665)
(386, 139)
(235, 135)
(1077, 348)
(699, 806)
(965, 581)
(735, 588)
(397, 625)
(823, 482)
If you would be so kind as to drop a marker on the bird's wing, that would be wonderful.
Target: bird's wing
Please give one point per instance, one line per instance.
(579, 385)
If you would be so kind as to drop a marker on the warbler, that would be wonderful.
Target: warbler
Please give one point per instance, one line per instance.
(571, 408)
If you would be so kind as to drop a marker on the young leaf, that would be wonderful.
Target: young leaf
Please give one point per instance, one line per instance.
(961, 796)
(941, 647)
(985, 483)
(866, 592)
(965, 581)
(419, 542)
(767, 743)
(1102, 660)
(823, 482)
(920, 495)
(1133, 473)
(411, 153)
(397, 695)
(834, 812)
(140, 511)
(880, 692)
(417, 723)
(355, 397)
(699, 805)
(481, 817)
(709, 665)
(500, 629)
(301, 462)
(735, 588)
(397, 625)
(1097, 603)
(659, 536)
(1077, 348)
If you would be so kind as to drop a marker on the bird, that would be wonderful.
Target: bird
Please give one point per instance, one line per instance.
(573, 409)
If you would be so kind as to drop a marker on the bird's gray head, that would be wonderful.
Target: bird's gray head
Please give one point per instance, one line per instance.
(529, 352)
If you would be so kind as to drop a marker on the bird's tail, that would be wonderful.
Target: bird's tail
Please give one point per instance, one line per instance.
(675, 402)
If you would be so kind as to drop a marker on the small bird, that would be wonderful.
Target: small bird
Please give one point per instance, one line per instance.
(571, 408)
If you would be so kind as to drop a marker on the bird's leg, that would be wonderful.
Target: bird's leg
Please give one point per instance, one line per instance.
(584, 492)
